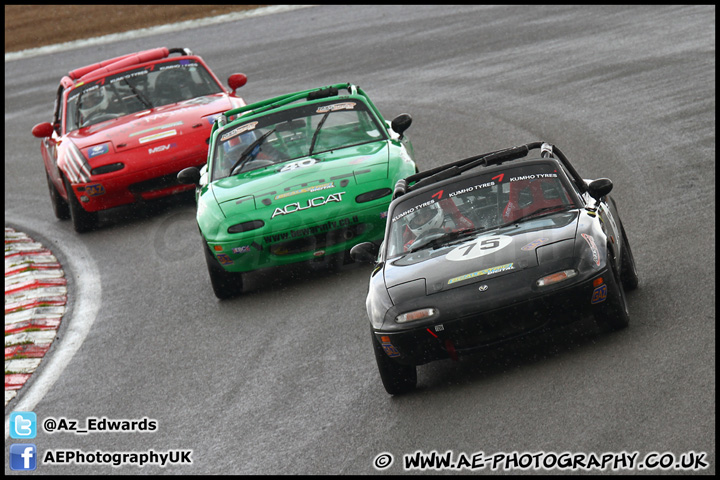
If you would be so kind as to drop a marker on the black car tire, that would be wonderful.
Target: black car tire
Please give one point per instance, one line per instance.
(628, 270)
(59, 205)
(225, 284)
(82, 220)
(612, 314)
(396, 378)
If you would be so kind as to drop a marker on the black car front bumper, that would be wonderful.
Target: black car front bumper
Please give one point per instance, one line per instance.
(466, 328)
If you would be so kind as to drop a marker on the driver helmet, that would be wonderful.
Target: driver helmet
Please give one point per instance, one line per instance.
(93, 101)
(176, 80)
(426, 219)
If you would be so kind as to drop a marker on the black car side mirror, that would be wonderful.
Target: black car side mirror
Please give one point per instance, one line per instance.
(189, 175)
(365, 252)
(401, 123)
(600, 187)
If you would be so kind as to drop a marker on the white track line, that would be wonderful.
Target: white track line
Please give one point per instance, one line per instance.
(145, 32)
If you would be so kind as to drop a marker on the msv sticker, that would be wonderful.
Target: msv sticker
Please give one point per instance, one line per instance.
(161, 148)
(478, 248)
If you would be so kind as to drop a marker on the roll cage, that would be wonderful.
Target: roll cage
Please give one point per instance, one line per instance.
(433, 175)
(283, 100)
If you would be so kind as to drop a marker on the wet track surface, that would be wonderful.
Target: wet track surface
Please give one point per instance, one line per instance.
(282, 379)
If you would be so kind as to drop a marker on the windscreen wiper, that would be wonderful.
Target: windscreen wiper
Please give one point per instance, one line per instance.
(448, 238)
(317, 130)
(246, 154)
(143, 99)
(541, 212)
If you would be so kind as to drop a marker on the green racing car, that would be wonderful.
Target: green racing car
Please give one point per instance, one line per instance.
(299, 177)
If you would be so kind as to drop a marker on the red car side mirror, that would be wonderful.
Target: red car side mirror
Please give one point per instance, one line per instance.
(236, 81)
(42, 130)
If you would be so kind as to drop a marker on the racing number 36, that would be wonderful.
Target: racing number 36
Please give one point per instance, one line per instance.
(481, 246)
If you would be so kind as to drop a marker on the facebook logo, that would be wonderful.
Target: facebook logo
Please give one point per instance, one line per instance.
(23, 456)
(23, 425)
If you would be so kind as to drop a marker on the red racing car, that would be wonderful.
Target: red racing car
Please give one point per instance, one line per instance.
(122, 129)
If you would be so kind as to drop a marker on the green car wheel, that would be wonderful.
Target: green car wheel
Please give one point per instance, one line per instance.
(225, 284)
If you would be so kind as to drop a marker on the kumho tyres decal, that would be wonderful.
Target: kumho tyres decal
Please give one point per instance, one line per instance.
(314, 230)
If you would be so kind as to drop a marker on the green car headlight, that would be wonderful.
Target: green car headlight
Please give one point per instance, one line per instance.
(374, 195)
(246, 226)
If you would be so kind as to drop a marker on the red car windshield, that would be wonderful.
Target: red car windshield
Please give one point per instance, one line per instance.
(137, 89)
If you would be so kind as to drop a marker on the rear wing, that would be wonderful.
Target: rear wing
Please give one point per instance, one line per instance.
(117, 63)
(428, 177)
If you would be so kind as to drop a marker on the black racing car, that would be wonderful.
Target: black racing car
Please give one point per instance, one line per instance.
(490, 248)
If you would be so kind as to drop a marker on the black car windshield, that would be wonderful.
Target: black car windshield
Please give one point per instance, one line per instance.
(472, 204)
(138, 89)
(292, 133)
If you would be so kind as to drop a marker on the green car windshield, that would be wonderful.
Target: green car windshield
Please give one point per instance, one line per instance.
(293, 133)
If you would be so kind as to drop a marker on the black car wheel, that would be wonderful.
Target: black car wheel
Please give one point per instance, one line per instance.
(225, 284)
(396, 378)
(82, 220)
(628, 270)
(612, 314)
(59, 205)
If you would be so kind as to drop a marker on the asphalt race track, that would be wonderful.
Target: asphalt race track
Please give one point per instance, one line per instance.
(282, 380)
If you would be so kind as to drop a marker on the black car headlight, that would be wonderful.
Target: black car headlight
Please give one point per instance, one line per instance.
(374, 195)
(556, 277)
(420, 314)
(246, 226)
